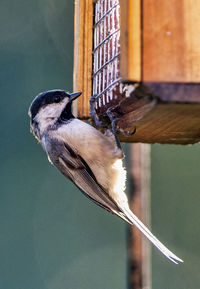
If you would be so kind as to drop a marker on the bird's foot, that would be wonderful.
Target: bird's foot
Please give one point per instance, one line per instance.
(93, 113)
(113, 121)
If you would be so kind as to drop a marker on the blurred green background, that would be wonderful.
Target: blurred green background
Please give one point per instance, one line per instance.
(51, 236)
(175, 214)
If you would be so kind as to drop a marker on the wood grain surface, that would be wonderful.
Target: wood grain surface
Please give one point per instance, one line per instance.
(83, 37)
(130, 40)
(170, 123)
(171, 42)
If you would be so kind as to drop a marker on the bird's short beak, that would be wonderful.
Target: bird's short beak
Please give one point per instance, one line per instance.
(74, 95)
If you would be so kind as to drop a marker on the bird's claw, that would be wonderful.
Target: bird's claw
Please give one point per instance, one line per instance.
(92, 99)
(93, 114)
(113, 121)
(128, 133)
(114, 130)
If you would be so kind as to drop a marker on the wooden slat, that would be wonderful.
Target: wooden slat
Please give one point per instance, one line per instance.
(175, 92)
(172, 117)
(171, 42)
(130, 40)
(169, 123)
(139, 248)
(83, 54)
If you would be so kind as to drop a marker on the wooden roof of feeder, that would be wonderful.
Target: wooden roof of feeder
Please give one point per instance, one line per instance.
(142, 60)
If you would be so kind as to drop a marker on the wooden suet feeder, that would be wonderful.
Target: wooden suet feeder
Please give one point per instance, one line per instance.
(141, 59)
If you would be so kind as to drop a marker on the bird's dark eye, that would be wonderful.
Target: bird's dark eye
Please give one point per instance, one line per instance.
(57, 98)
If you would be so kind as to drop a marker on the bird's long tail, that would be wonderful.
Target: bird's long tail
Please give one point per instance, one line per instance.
(131, 218)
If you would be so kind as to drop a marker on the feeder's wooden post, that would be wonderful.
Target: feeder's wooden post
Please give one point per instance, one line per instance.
(139, 246)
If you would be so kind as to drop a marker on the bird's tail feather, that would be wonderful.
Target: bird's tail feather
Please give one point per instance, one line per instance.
(131, 218)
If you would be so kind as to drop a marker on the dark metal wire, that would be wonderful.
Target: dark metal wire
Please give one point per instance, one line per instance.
(108, 87)
(105, 39)
(105, 64)
(107, 12)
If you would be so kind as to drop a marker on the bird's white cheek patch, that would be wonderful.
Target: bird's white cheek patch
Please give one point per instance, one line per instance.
(51, 110)
(49, 114)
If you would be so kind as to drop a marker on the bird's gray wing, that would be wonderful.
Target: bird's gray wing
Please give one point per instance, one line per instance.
(74, 167)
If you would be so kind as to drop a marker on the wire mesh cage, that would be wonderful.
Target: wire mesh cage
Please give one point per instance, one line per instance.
(106, 79)
(106, 50)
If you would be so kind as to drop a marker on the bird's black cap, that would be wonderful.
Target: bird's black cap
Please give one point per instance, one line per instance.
(44, 98)
(47, 97)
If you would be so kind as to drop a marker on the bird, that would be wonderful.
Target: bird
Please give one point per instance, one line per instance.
(89, 158)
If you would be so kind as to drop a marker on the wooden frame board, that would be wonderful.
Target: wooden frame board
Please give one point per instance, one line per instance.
(83, 35)
(130, 40)
(171, 42)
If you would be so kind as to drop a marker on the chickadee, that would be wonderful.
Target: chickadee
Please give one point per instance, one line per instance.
(90, 159)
